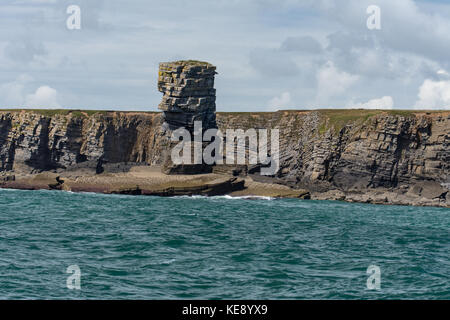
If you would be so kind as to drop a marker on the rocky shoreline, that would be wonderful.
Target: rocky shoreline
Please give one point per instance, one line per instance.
(149, 181)
(381, 157)
(373, 156)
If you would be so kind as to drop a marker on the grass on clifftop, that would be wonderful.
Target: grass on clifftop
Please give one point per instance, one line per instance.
(338, 118)
(74, 112)
(52, 112)
(189, 63)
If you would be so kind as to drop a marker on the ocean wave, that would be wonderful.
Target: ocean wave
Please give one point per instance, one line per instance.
(246, 197)
(152, 247)
(228, 197)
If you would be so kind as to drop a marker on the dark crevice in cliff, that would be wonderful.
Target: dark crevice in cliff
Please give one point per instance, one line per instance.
(119, 142)
(74, 139)
(6, 149)
(332, 162)
(40, 157)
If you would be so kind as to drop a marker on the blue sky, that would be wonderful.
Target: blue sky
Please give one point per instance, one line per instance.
(270, 55)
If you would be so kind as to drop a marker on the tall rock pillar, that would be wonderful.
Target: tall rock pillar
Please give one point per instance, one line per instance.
(189, 96)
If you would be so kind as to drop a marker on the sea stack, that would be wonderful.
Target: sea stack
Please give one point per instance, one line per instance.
(189, 96)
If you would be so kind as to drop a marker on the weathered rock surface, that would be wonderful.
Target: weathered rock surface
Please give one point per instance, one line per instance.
(189, 96)
(36, 142)
(360, 152)
(216, 187)
(189, 93)
(367, 156)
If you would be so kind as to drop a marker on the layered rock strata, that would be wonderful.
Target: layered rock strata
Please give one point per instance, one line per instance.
(189, 96)
(354, 155)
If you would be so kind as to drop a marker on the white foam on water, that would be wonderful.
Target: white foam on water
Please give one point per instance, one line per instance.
(244, 197)
(228, 197)
(9, 189)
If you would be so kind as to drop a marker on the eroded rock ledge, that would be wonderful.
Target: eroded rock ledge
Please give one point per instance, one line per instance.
(399, 157)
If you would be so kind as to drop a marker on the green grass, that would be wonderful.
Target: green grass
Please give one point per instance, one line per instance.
(193, 62)
(405, 113)
(73, 112)
(247, 114)
(190, 63)
(338, 118)
(412, 113)
(65, 112)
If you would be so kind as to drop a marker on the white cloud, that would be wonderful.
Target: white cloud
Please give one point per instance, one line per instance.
(44, 97)
(273, 64)
(25, 50)
(332, 82)
(386, 102)
(408, 26)
(434, 95)
(283, 101)
(44, 1)
(269, 48)
(12, 94)
(302, 44)
(442, 72)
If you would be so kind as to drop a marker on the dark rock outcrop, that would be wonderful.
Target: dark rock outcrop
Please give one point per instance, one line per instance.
(58, 185)
(189, 93)
(37, 141)
(213, 188)
(355, 155)
(189, 96)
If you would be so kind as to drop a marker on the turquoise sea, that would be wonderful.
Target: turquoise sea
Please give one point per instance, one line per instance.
(138, 247)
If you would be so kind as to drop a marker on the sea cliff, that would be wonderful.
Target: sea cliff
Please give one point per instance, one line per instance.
(392, 157)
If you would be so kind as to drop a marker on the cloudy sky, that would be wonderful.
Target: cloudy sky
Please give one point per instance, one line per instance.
(270, 54)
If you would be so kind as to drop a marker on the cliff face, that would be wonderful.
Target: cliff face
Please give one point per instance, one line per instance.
(356, 148)
(37, 141)
(346, 150)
